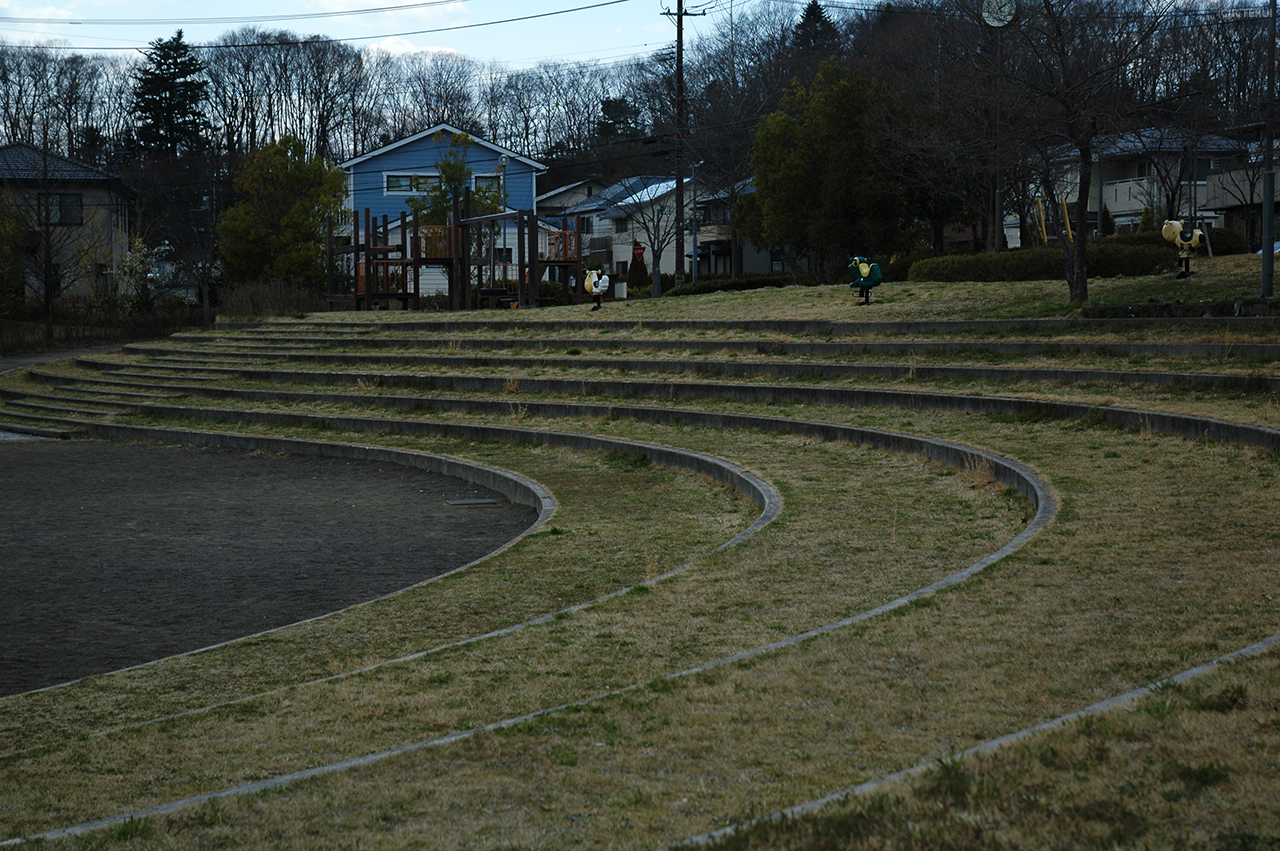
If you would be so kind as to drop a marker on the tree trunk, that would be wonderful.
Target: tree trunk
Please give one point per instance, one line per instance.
(735, 253)
(1075, 266)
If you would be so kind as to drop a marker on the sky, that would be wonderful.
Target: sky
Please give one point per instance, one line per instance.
(519, 33)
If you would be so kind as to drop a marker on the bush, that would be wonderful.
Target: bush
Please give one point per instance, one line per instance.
(1022, 264)
(1110, 259)
(1227, 241)
(722, 284)
(1129, 255)
(1141, 237)
(638, 277)
(271, 298)
(899, 267)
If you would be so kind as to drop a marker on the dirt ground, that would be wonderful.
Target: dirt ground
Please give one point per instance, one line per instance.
(115, 554)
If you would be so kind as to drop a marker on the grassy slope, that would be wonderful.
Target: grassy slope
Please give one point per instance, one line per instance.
(1162, 557)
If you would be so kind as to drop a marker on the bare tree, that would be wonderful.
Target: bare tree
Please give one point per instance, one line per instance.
(27, 74)
(240, 90)
(1071, 61)
(650, 211)
(440, 88)
(737, 76)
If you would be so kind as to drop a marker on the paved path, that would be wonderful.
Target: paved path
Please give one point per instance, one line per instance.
(115, 554)
(12, 362)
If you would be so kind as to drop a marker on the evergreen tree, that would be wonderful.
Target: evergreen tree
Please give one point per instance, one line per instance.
(637, 272)
(829, 172)
(168, 99)
(814, 40)
(276, 230)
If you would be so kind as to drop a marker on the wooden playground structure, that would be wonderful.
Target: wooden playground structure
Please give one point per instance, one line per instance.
(465, 251)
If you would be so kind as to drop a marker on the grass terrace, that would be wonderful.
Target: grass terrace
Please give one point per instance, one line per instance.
(913, 652)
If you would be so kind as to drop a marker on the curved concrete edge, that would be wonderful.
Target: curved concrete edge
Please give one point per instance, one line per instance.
(34, 431)
(726, 473)
(779, 369)
(987, 747)
(514, 487)
(248, 346)
(1177, 424)
(816, 327)
(1030, 483)
(1181, 425)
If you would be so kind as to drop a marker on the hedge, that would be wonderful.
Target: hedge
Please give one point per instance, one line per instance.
(716, 285)
(1106, 258)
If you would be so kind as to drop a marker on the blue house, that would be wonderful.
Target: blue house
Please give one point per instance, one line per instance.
(382, 179)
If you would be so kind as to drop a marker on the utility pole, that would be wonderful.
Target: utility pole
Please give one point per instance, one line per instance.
(1269, 168)
(682, 128)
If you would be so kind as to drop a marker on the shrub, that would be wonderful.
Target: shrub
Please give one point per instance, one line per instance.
(638, 277)
(1129, 255)
(1227, 241)
(271, 298)
(721, 284)
(1022, 264)
(1140, 237)
(899, 267)
(1110, 259)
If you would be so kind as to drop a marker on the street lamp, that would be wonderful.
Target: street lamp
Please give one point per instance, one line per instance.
(998, 14)
(502, 190)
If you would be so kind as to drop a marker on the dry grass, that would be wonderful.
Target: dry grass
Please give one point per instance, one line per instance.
(1232, 277)
(1147, 571)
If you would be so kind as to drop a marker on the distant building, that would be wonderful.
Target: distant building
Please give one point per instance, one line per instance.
(77, 213)
(382, 179)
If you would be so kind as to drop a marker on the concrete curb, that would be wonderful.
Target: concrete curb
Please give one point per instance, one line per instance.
(256, 346)
(724, 472)
(1175, 424)
(1007, 472)
(1039, 494)
(780, 369)
(815, 327)
(987, 747)
(514, 487)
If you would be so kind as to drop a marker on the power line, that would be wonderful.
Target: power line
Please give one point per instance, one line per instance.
(455, 28)
(254, 19)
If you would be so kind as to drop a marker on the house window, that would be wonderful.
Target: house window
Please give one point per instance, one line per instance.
(488, 183)
(399, 183)
(620, 267)
(406, 184)
(62, 209)
(775, 262)
(621, 225)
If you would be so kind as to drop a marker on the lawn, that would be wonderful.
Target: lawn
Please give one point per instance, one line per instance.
(726, 685)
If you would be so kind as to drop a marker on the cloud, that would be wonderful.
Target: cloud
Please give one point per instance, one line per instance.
(399, 46)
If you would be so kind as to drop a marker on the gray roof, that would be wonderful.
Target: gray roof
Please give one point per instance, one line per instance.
(1163, 140)
(20, 161)
(609, 201)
